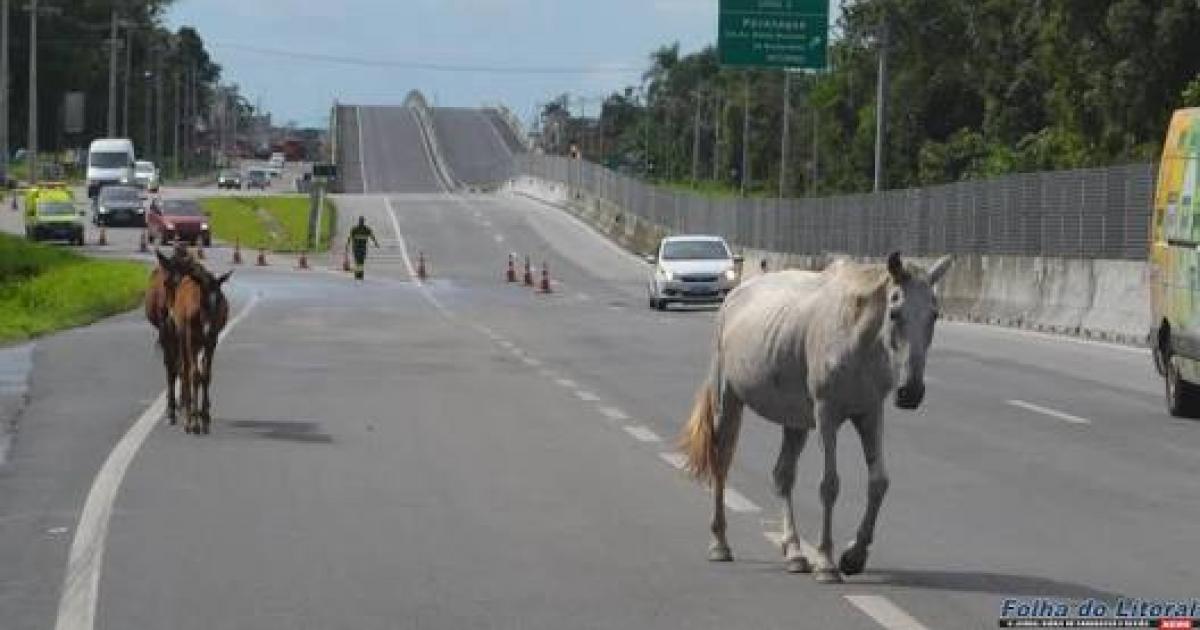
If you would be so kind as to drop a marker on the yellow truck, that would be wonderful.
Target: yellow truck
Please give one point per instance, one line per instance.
(51, 215)
(1175, 265)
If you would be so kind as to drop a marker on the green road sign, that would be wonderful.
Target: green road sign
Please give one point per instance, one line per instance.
(774, 33)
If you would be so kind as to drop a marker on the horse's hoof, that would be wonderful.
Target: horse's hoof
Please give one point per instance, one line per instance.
(827, 576)
(799, 565)
(853, 560)
(719, 553)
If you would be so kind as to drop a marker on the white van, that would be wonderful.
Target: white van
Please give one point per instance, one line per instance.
(110, 161)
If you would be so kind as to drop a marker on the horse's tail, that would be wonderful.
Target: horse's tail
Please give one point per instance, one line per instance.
(698, 440)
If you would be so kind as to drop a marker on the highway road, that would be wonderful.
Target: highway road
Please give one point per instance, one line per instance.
(465, 453)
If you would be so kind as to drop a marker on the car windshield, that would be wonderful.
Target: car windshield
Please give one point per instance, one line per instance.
(120, 193)
(228, 174)
(114, 159)
(145, 169)
(56, 208)
(181, 208)
(694, 250)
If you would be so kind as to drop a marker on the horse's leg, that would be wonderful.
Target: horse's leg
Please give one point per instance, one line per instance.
(785, 478)
(187, 376)
(166, 342)
(205, 379)
(870, 431)
(828, 422)
(729, 421)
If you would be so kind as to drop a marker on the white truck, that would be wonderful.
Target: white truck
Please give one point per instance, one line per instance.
(110, 161)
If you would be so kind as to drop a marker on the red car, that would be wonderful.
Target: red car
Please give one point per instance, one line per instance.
(180, 219)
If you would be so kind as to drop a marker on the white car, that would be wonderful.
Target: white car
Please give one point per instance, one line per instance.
(691, 270)
(146, 175)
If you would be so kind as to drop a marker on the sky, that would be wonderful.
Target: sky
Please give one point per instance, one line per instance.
(603, 45)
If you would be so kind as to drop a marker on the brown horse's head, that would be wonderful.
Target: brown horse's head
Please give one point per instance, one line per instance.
(912, 313)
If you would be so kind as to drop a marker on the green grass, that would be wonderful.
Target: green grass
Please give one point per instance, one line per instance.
(45, 288)
(282, 226)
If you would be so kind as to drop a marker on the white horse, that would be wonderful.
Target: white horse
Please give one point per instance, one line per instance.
(805, 350)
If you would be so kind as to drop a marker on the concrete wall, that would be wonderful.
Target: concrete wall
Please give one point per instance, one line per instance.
(1096, 299)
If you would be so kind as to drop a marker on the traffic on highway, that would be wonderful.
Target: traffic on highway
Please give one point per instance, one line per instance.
(859, 315)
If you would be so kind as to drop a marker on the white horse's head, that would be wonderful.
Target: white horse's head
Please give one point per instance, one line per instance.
(912, 312)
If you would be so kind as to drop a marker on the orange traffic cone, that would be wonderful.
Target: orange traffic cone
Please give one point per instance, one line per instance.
(528, 273)
(142, 248)
(511, 274)
(303, 262)
(237, 251)
(421, 271)
(103, 240)
(262, 258)
(545, 286)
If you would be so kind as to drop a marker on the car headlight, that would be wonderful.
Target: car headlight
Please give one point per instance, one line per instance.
(141, 211)
(730, 275)
(102, 210)
(169, 225)
(667, 275)
(204, 227)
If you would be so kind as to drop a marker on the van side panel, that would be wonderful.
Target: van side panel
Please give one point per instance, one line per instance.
(1175, 235)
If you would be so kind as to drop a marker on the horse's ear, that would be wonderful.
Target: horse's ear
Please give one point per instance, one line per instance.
(224, 277)
(163, 261)
(938, 271)
(895, 267)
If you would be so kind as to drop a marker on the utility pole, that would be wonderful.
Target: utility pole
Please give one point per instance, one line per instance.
(112, 76)
(816, 148)
(147, 137)
(178, 118)
(159, 139)
(5, 94)
(716, 152)
(32, 150)
(128, 74)
(787, 128)
(696, 140)
(881, 104)
(745, 132)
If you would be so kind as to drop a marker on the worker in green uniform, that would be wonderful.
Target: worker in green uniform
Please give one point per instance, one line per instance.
(359, 235)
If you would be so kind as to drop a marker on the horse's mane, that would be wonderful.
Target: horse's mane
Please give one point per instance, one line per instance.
(860, 295)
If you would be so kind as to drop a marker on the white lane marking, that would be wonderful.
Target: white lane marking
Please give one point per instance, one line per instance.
(1066, 417)
(531, 362)
(499, 238)
(612, 413)
(81, 584)
(362, 160)
(586, 396)
(412, 271)
(776, 539)
(506, 344)
(738, 502)
(676, 460)
(884, 612)
(641, 433)
(565, 382)
(583, 297)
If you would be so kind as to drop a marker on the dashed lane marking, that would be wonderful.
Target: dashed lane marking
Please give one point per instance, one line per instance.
(884, 612)
(612, 413)
(641, 433)
(565, 382)
(1046, 411)
(738, 502)
(586, 396)
(676, 460)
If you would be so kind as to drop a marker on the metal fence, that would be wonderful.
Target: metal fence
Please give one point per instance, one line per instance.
(1088, 213)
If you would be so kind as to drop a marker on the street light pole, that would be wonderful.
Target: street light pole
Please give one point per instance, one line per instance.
(112, 75)
(5, 94)
(787, 128)
(881, 105)
(32, 151)
(696, 140)
(128, 78)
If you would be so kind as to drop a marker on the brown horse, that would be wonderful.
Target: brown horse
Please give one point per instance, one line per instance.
(198, 313)
(159, 295)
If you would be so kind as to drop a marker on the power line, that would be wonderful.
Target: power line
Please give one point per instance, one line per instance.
(433, 67)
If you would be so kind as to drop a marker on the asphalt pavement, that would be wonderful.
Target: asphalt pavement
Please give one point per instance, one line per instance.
(466, 453)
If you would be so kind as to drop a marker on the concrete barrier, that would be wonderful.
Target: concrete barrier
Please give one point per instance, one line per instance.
(1097, 299)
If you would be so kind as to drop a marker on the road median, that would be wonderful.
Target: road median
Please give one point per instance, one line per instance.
(276, 223)
(45, 289)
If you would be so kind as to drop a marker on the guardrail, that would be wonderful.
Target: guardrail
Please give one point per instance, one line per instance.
(1100, 213)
